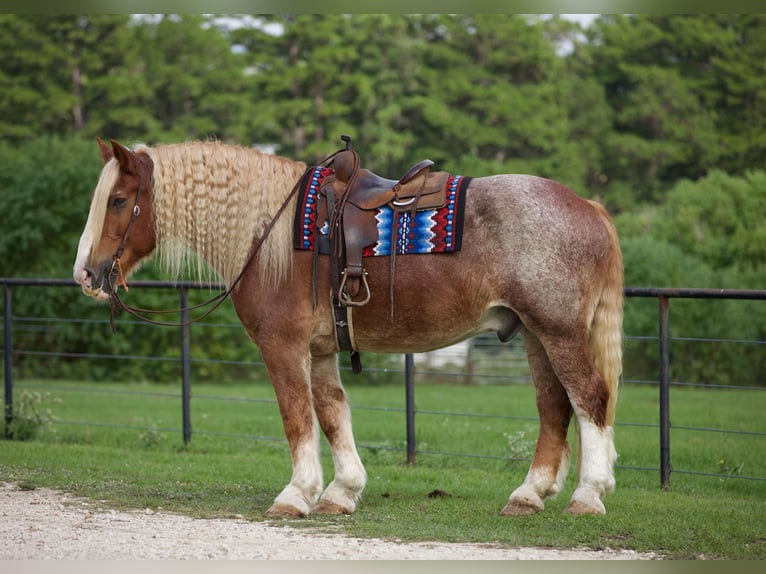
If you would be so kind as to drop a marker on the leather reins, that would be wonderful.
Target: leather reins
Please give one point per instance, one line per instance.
(115, 272)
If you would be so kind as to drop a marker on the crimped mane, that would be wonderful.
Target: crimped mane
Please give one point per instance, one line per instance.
(214, 200)
(97, 214)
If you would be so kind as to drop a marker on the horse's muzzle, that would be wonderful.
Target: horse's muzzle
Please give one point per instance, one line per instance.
(95, 282)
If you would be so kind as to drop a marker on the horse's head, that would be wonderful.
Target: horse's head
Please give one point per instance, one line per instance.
(120, 230)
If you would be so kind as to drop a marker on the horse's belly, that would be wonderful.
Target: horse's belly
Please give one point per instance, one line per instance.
(428, 329)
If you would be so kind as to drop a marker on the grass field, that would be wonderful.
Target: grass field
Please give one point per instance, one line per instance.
(122, 444)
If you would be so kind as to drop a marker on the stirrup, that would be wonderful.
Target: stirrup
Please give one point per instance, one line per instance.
(345, 299)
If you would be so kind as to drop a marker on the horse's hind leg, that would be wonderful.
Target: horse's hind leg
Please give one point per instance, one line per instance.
(331, 407)
(589, 395)
(551, 460)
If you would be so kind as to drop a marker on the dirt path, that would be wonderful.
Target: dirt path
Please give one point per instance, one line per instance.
(44, 524)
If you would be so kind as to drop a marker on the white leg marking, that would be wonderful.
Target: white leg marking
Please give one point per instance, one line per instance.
(539, 485)
(596, 465)
(532, 491)
(350, 477)
(306, 483)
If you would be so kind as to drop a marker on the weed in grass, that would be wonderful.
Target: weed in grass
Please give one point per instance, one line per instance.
(151, 437)
(84, 436)
(30, 415)
(730, 468)
(519, 446)
(26, 485)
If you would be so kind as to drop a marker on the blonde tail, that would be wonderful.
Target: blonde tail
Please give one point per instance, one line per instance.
(606, 327)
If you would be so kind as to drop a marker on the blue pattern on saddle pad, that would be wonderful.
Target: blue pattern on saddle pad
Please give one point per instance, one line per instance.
(427, 231)
(413, 235)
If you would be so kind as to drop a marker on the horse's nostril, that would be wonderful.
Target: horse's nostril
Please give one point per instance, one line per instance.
(92, 278)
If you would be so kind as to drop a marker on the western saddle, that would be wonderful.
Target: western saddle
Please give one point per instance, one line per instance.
(348, 200)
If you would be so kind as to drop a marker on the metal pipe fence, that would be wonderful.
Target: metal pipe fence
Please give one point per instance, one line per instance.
(408, 371)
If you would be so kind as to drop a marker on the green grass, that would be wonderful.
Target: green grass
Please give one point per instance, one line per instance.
(131, 455)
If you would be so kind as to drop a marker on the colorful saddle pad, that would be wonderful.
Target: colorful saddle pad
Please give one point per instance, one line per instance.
(428, 231)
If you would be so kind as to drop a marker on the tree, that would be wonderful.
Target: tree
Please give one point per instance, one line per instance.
(661, 130)
(196, 82)
(323, 76)
(69, 74)
(719, 219)
(490, 100)
(36, 76)
(686, 96)
(737, 90)
(699, 350)
(297, 80)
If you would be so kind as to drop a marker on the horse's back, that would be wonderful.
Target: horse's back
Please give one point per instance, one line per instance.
(526, 203)
(539, 226)
(530, 247)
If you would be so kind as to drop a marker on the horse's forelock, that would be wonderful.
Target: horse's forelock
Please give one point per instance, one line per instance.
(94, 226)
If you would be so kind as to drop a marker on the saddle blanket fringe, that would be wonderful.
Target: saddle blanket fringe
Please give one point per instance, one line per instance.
(427, 231)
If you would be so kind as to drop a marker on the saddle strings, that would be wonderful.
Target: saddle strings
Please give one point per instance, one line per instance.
(139, 313)
(336, 218)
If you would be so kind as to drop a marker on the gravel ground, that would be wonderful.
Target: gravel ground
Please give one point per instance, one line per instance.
(42, 524)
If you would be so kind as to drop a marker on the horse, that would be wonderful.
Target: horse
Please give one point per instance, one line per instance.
(536, 258)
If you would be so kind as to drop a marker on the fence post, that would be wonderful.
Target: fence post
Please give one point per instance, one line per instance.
(664, 308)
(409, 385)
(8, 355)
(185, 365)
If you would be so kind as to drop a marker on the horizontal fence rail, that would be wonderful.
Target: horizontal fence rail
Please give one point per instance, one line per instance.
(408, 371)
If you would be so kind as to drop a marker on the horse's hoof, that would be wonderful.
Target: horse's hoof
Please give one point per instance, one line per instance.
(325, 507)
(520, 508)
(280, 510)
(577, 508)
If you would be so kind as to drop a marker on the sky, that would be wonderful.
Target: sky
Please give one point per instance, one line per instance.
(584, 19)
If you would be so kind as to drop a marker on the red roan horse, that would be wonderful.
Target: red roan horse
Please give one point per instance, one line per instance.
(535, 257)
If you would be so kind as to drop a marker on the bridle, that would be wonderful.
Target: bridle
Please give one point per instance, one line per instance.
(116, 269)
(116, 278)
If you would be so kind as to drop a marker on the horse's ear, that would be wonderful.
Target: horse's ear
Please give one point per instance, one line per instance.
(125, 157)
(106, 150)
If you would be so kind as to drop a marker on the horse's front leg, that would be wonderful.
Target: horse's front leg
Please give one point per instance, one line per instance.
(334, 417)
(289, 369)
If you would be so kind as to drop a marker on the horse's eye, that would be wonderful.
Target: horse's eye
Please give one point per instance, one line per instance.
(119, 202)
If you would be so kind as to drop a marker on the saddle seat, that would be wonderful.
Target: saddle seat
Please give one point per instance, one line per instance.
(368, 190)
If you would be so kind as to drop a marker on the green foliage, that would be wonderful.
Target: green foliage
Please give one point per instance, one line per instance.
(661, 117)
(195, 84)
(633, 104)
(708, 233)
(683, 91)
(719, 218)
(45, 185)
(655, 262)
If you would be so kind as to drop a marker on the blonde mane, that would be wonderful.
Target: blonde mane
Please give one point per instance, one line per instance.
(212, 201)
